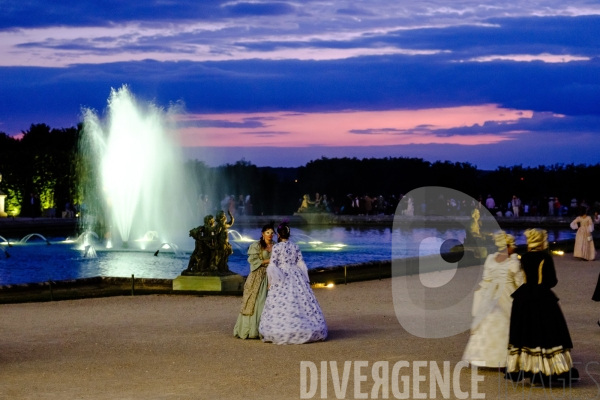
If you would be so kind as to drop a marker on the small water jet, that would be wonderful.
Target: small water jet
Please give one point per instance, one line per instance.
(85, 236)
(90, 252)
(172, 246)
(26, 238)
(6, 241)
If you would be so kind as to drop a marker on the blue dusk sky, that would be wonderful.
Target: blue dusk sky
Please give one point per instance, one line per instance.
(280, 83)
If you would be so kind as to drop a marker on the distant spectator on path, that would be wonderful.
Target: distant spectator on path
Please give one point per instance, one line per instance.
(573, 207)
(516, 205)
(368, 202)
(490, 204)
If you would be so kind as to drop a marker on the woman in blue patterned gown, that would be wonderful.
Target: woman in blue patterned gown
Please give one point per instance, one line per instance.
(292, 314)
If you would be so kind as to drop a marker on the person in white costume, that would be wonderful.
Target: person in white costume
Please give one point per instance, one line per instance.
(502, 275)
(291, 314)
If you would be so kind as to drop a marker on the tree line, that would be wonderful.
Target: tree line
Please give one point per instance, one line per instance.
(45, 161)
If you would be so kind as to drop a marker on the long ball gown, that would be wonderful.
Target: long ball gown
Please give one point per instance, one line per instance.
(584, 248)
(491, 311)
(596, 296)
(255, 294)
(292, 314)
(539, 341)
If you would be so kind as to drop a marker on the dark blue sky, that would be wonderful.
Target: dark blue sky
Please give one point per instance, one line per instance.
(239, 59)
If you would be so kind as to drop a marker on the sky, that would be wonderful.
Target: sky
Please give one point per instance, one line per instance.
(280, 83)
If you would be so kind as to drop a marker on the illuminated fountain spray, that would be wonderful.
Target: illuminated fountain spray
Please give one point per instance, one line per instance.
(139, 167)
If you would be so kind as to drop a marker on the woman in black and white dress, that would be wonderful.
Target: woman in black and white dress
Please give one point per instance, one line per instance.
(292, 314)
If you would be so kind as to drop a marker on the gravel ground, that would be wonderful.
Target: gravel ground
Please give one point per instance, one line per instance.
(179, 347)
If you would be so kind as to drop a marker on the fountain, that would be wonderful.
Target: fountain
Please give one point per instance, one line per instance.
(140, 183)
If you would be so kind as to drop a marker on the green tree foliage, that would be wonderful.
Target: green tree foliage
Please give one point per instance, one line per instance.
(41, 162)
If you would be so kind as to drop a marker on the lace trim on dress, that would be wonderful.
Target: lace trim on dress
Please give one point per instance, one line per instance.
(552, 361)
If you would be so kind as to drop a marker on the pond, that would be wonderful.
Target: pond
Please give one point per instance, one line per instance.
(35, 261)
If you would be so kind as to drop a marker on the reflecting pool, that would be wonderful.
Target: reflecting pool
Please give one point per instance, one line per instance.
(36, 261)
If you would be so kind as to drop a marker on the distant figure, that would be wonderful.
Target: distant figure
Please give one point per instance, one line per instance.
(248, 206)
(318, 200)
(584, 241)
(490, 204)
(225, 203)
(368, 202)
(557, 208)
(410, 208)
(232, 205)
(241, 204)
(325, 203)
(69, 210)
(516, 205)
(551, 206)
(573, 207)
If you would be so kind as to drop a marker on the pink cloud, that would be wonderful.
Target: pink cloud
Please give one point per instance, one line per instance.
(288, 129)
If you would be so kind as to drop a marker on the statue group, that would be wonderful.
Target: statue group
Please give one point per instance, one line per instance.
(212, 249)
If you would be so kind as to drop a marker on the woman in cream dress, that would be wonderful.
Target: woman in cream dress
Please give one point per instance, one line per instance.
(502, 275)
(584, 242)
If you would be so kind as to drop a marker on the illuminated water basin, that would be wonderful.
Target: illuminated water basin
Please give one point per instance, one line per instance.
(36, 261)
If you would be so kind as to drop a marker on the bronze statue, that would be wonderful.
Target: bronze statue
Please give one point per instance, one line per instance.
(205, 244)
(212, 248)
(222, 247)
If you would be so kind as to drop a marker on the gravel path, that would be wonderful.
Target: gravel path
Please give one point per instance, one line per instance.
(178, 347)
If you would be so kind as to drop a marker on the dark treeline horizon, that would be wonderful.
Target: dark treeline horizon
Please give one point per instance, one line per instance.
(44, 161)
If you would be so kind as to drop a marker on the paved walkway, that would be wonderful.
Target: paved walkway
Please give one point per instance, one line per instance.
(177, 347)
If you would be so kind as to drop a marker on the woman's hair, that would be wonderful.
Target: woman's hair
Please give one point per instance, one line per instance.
(283, 231)
(537, 239)
(582, 211)
(270, 225)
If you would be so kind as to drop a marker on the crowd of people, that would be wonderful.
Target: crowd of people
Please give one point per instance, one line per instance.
(351, 204)
(240, 205)
(366, 204)
(544, 207)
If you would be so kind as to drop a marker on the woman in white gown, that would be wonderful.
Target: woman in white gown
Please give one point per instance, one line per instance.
(502, 275)
(291, 314)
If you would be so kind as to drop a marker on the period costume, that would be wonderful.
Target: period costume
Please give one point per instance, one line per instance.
(596, 296)
(492, 305)
(584, 242)
(539, 341)
(255, 294)
(292, 314)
